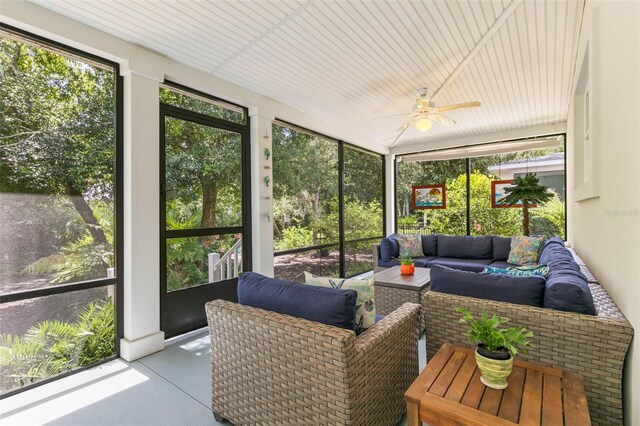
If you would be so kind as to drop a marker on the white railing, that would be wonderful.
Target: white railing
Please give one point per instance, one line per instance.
(227, 266)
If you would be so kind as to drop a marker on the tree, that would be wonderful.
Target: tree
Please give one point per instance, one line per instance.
(526, 190)
(203, 164)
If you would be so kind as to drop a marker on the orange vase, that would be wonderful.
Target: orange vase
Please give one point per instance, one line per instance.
(407, 269)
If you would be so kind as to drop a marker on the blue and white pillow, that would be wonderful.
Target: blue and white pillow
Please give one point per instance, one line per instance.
(519, 271)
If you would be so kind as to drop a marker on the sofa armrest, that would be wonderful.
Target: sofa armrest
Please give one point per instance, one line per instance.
(375, 250)
(384, 365)
(257, 356)
(594, 346)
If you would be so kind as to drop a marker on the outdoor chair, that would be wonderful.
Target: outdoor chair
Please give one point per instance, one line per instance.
(270, 368)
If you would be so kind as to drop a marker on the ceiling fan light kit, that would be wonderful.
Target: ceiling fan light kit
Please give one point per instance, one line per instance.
(425, 112)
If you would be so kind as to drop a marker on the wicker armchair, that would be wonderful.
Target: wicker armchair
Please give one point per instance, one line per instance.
(274, 369)
(593, 346)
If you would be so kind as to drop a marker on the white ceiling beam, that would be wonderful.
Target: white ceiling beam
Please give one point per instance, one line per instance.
(479, 45)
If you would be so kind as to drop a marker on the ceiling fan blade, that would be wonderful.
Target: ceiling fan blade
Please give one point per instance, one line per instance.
(395, 115)
(406, 125)
(458, 106)
(398, 137)
(442, 119)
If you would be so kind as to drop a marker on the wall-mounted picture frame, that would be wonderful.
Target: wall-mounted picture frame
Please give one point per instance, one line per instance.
(429, 197)
(498, 193)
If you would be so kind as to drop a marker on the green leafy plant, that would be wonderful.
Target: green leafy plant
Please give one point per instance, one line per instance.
(526, 190)
(405, 258)
(53, 347)
(486, 330)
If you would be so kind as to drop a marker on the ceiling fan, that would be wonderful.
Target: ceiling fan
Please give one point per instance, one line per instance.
(425, 112)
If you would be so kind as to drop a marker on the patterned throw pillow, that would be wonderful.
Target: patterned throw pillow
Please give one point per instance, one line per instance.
(520, 271)
(365, 304)
(525, 250)
(411, 243)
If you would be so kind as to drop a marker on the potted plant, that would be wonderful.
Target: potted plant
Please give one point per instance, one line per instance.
(496, 346)
(526, 190)
(406, 264)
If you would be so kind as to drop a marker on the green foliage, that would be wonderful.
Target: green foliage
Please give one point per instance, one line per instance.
(548, 219)
(407, 220)
(54, 347)
(405, 258)
(487, 330)
(526, 189)
(485, 220)
(294, 237)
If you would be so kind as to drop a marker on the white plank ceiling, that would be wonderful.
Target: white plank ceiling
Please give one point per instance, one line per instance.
(350, 62)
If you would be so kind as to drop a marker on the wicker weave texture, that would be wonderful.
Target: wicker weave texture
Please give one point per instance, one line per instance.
(274, 369)
(592, 346)
(388, 299)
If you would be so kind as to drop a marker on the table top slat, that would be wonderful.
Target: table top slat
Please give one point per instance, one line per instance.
(462, 379)
(510, 406)
(393, 278)
(576, 411)
(473, 395)
(551, 401)
(531, 399)
(491, 401)
(448, 373)
(436, 410)
(424, 381)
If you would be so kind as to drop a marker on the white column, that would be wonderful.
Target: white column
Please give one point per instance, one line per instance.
(142, 335)
(261, 194)
(389, 181)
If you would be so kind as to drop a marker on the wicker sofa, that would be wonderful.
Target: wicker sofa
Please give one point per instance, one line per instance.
(270, 368)
(593, 346)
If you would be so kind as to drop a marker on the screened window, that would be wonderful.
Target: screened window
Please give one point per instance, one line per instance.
(317, 227)
(58, 269)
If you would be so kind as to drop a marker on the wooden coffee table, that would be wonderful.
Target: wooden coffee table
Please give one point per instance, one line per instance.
(449, 392)
(392, 289)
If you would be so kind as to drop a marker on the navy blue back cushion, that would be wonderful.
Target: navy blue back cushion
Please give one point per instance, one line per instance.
(430, 245)
(389, 248)
(331, 306)
(502, 288)
(463, 247)
(501, 248)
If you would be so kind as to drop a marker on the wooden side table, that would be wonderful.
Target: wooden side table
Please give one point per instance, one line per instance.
(449, 392)
(392, 289)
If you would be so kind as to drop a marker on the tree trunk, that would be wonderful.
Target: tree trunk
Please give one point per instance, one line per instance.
(315, 205)
(85, 212)
(209, 202)
(525, 217)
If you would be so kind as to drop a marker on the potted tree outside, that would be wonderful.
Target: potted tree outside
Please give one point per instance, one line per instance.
(526, 190)
(496, 346)
(406, 264)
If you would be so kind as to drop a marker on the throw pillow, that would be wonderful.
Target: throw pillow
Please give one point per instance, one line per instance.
(525, 250)
(519, 271)
(411, 243)
(365, 304)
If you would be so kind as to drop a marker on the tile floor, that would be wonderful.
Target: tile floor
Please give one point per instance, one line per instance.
(171, 387)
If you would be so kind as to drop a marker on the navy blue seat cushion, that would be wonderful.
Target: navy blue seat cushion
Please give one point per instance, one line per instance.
(474, 265)
(463, 247)
(331, 306)
(388, 264)
(520, 290)
(501, 248)
(430, 245)
(568, 291)
(389, 249)
(379, 317)
(501, 264)
(422, 262)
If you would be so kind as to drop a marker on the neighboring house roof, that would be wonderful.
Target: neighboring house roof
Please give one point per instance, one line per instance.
(546, 162)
